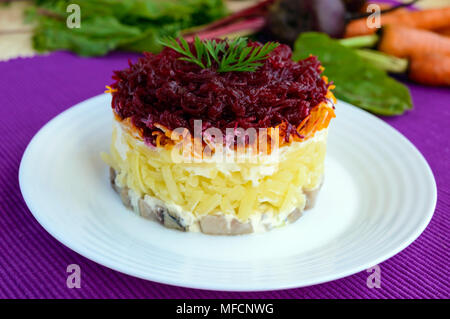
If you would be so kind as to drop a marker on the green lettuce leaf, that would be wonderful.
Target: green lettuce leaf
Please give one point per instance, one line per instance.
(106, 25)
(357, 82)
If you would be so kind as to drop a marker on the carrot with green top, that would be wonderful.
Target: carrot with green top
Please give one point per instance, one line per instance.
(424, 54)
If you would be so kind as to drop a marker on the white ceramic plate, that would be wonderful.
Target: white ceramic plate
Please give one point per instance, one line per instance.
(379, 195)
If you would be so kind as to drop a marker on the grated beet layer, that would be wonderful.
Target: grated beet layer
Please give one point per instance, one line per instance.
(160, 88)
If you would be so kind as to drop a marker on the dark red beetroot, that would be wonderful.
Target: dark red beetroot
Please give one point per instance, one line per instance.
(160, 88)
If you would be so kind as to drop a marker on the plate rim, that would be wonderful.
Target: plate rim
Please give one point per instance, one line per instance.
(224, 287)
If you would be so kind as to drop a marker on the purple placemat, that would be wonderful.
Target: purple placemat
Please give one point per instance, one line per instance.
(33, 264)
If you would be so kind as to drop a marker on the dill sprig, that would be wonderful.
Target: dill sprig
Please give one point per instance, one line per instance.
(230, 55)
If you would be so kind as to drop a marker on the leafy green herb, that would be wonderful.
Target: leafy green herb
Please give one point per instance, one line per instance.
(230, 55)
(357, 81)
(106, 25)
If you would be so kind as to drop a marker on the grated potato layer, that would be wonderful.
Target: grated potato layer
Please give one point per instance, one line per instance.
(237, 189)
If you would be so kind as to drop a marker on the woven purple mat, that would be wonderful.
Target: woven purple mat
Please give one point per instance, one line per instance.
(33, 264)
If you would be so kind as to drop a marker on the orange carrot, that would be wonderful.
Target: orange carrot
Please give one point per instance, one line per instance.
(430, 69)
(444, 31)
(405, 42)
(430, 19)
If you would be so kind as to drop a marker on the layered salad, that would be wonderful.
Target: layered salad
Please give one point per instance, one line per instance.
(223, 137)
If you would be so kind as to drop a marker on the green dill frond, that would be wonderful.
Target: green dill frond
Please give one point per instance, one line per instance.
(230, 55)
